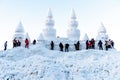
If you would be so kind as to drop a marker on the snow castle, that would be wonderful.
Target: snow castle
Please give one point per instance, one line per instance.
(48, 33)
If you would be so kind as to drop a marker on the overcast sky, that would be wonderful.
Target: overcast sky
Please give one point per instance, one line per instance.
(32, 14)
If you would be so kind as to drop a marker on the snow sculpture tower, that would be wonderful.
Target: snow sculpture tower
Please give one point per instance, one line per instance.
(102, 33)
(73, 33)
(19, 32)
(40, 38)
(49, 33)
(85, 38)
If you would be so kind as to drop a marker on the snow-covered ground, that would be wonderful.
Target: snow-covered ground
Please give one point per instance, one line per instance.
(39, 63)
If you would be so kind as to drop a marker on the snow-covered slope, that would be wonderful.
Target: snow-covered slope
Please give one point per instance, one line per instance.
(39, 63)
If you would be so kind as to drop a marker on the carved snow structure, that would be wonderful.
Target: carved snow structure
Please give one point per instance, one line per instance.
(19, 32)
(102, 33)
(73, 33)
(85, 37)
(49, 33)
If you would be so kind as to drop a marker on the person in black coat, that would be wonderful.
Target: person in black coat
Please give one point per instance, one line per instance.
(87, 44)
(18, 43)
(34, 42)
(78, 45)
(61, 46)
(93, 43)
(100, 45)
(66, 47)
(75, 46)
(112, 43)
(14, 43)
(5, 45)
(106, 45)
(52, 45)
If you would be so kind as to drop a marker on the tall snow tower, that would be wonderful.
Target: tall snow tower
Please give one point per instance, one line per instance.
(19, 32)
(72, 32)
(102, 33)
(49, 33)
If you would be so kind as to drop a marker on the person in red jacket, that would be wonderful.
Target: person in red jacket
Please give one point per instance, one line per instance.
(26, 43)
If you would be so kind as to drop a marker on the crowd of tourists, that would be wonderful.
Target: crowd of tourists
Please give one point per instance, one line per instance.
(17, 43)
(90, 44)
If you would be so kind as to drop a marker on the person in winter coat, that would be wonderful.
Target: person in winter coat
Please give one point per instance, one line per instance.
(52, 45)
(61, 46)
(14, 43)
(109, 43)
(18, 43)
(66, 47)
(106, 45)
(112, 43)
(26, 43)
(34, 42)
(78, 45)
(5, 45)
(100, 45)
(93, 43)
(87, 44)
(75, 46)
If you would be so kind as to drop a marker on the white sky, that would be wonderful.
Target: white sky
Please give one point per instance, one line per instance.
(32, 14)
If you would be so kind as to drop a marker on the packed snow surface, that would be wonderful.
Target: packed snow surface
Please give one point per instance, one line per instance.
(40, 63)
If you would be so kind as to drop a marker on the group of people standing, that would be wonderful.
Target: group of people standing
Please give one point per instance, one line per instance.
(90, 44)
(108, 44)
(77, 45)
(61, 46)
(17, 43)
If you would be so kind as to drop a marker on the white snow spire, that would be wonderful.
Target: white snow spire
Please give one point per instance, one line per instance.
(49, 20)
(40, 38)
(20, 28)
(102, 29)
(85, 37)
(49, 13)
(73, 23)
(49, 33)
(102, 33)
(73, 33)
(73, 16)
(19, 33)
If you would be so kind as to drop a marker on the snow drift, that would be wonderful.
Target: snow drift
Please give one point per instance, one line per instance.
(39, 63)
